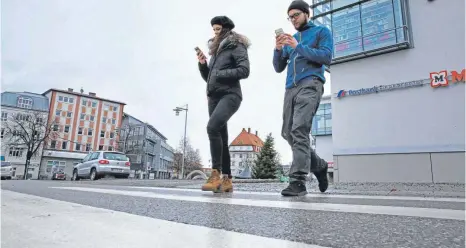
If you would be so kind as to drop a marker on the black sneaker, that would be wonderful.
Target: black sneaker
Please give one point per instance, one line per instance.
(295, 188)
(322, 178)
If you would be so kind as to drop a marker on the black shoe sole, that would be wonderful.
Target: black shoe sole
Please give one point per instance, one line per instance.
(302, 193)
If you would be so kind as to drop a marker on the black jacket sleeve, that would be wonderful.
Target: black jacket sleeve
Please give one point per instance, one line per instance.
(240, 68)
(204, 69)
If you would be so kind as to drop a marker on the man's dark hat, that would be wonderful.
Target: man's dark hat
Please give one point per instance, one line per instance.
(299, 4)
(223, 21)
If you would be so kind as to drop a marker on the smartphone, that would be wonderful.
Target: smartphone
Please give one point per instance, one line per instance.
(197, 49)
(279, 31)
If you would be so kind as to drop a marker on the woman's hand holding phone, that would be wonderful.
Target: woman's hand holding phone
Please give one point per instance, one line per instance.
(200, 56)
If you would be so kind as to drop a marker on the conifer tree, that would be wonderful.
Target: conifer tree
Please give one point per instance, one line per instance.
(266, 164)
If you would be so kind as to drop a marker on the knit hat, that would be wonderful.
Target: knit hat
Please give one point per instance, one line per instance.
(223, 21)
(299, 4)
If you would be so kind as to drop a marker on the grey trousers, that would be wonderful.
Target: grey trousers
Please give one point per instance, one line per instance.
(299, 107)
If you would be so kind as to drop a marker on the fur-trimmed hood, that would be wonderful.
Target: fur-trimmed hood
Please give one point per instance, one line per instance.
(232, 40)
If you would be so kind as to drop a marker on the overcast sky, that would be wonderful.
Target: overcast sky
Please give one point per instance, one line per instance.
(141, 52)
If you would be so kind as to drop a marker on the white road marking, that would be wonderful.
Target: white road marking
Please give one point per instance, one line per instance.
(314, 195)
(348, 208)
(44, 223)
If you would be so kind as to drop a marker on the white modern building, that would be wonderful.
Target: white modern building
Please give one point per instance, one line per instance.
(22, 109)
(398, 92)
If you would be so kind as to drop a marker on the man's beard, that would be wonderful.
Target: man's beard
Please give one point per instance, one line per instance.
(301, 25)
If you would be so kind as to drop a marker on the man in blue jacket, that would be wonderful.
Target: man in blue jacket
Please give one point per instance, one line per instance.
(306, 54)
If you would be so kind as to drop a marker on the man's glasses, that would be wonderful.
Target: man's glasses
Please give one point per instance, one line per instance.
(293, 16)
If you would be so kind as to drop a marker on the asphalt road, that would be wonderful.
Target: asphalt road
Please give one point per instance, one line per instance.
(180, 216)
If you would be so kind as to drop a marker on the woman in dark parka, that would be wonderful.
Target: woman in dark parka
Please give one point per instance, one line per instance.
(228, 64)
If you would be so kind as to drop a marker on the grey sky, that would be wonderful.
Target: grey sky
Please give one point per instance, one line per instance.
(142, 53)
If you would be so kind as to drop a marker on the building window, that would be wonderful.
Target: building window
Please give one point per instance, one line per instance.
(53, 144)
(71, 100)
(102, 134)
(110, 148)
(69, 114)
(64, 144)
(78, 147)
(3, 131)
(92, 118)
(322, 122)
(65, 99)
(67, 129)
(16, 152)
(88, 147)
(58, 112)
(84, 102)
(4, 116)
(112, 135)
(83, 116)
(362, 27)
(94, 104)
(113, 121)
(80, 130)
(24, 102)
(101, 147)
(106, 107)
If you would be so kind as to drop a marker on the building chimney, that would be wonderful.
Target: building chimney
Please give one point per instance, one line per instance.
(249, 130)
(256, 134)
(70, 89)
(82, 90)
(91, 93)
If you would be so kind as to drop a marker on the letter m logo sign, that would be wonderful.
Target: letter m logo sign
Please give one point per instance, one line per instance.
(438, 79)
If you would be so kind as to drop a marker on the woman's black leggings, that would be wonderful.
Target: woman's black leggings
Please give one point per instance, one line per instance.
(220, 111)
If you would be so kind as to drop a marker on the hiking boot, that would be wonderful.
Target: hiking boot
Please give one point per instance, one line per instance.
(213, 183)
(296, 188)
(226, 186)
(323, 179)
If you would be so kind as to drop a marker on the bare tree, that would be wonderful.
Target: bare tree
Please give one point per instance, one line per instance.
(28, 130)
(124, 133)
(192, 159)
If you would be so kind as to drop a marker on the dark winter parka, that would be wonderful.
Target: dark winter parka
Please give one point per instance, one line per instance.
(227, 67)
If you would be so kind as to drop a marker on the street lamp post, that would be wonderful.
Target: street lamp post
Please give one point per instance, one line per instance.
(177, 111)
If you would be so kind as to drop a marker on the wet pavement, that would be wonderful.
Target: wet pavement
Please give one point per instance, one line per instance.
(253, 214)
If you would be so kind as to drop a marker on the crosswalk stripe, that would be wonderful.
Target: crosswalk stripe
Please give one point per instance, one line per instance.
(331, 207)
(314, 195)
(74, 225)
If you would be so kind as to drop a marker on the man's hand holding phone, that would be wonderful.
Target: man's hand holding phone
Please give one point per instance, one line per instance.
(280, 39)
(200, 56)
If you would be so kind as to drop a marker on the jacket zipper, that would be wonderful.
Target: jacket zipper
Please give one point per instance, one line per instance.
(294, 63)
(220, 48)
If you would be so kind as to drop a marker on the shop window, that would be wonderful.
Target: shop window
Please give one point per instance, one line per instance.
(364, 28)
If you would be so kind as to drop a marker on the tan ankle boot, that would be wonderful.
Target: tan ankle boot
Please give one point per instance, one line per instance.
(227, 185)
(213, 183)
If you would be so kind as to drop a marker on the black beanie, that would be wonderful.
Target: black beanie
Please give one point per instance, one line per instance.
(299, 4)
(223, 21)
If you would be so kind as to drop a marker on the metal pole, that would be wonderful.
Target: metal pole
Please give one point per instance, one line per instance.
(184, 141)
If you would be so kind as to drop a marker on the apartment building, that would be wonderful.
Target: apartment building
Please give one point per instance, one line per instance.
(243, 151)
(146, 148)
(84, 122)
(22, 105)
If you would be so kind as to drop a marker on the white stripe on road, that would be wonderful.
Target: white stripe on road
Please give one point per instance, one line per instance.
(348, 208)
(366, 197)
(43, 223)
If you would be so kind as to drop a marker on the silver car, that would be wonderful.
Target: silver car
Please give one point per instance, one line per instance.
(7, 170)
(99, 164)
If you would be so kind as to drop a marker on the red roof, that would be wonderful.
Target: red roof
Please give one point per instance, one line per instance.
(246, 138)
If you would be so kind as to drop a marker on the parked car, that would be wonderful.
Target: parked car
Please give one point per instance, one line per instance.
(6, 171)
(60, 175)
(101, 163)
